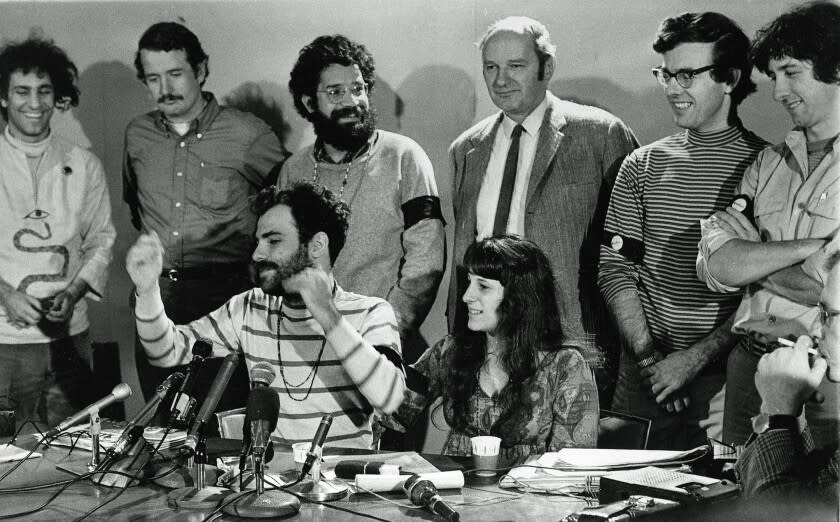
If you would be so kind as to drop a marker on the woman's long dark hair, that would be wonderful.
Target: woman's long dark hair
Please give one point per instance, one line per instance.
(528, 320)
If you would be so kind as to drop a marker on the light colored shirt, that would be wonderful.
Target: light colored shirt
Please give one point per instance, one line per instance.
(56, 226)
(789, 203)
(349, 372)
(488, 197)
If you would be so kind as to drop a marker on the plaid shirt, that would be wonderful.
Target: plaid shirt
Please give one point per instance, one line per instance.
(779, 461)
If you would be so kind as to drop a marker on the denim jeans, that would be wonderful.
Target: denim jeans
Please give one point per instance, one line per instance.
(46, 382)
(673, 431)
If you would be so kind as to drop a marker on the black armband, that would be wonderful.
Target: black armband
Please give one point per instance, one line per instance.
(420, 208)
(630, 248)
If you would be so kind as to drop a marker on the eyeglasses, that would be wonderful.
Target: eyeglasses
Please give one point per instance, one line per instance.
(684, 77)
(337, 93)
(827, 313)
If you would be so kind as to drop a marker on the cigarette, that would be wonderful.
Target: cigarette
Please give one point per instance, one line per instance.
(787, 342)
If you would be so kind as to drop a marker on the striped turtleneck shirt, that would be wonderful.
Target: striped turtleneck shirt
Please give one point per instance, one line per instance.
(348, 373)
(653, 227)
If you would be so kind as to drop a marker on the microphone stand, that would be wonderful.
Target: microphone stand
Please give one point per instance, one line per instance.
(200, 495)
(95, 430)
(272, 504)
(313, 486)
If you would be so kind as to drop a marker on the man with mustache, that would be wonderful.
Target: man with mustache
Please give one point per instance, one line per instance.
(189, 169)
(795, 189)
(335, 352)
(395, 247)
(676, 331)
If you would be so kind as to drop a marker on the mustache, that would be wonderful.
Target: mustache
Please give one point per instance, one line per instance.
(259, 266)
(169, 98)
(345, 112)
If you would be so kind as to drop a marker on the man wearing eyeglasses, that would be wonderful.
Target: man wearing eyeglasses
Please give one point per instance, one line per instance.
(676, 332)
(795, 189)
(189, 168)
(782, 455)
(395, 246)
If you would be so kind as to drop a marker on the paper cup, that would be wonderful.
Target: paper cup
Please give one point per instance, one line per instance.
(485, 455)
(299, 450)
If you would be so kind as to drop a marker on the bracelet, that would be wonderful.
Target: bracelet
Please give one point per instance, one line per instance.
(647, 361)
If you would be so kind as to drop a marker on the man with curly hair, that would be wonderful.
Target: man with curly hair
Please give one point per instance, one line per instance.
(775, 247)
(335, 352)
(189, 169)
(395, 247)
(55, 242)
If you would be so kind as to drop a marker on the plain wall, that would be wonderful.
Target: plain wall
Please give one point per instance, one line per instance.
(429, 84)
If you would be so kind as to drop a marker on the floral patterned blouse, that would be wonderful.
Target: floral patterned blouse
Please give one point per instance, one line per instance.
(563, 396)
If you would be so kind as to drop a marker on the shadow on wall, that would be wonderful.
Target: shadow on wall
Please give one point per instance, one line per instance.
(113, 85)
(265, 101)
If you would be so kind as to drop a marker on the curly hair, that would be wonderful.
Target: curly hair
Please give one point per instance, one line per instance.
(171, 36)
(42, 56)
(810, 32)
(315, 209)
(529, 321)
(320, 54)
(731, 46)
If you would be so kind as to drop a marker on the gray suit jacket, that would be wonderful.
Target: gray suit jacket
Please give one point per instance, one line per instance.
(579, 151)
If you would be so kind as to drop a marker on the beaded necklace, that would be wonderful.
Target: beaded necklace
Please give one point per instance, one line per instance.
(362, 154)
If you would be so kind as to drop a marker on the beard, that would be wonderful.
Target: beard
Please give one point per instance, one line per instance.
(272, 283)
(345, 136)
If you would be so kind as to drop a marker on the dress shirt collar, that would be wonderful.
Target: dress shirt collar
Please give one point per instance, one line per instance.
(203, 121)
(531, 123)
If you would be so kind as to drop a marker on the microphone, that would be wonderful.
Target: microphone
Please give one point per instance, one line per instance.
(314, 452)
(183, 404)
(421, 492)
(262, 410)
(130, 434)
(262, 374)
(120, 393)
(212, 400)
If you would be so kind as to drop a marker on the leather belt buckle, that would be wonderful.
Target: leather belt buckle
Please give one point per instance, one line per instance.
(172, 274)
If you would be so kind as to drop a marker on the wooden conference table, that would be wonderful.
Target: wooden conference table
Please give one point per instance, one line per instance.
(483, 499)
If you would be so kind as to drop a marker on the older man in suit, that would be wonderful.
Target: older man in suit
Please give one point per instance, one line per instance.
(542, 168)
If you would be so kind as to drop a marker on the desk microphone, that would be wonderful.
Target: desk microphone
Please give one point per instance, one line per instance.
(183, 404)
(317, 444)
(421, 492)
(129, 435)
(120, 392)
(210, 403)
(262, 375)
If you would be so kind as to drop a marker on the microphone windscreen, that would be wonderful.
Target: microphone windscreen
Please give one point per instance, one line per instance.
(263, 405)
(202, 348)
(263, 373)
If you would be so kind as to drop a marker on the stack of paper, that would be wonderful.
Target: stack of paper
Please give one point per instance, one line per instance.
(79, 437)
(578, 469)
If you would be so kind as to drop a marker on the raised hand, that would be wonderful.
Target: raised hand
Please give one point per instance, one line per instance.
(144, 262)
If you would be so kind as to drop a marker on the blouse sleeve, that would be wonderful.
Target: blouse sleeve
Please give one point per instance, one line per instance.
(423, 386)
(575, 409)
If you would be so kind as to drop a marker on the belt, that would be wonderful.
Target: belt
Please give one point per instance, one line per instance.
(756, 347)
(203, 271)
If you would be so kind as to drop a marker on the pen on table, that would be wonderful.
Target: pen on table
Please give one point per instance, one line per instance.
(787, 342)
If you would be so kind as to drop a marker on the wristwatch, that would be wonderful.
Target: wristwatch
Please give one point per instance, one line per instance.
(763, 422)
(647, 361)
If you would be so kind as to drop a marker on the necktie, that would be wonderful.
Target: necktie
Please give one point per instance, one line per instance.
(508, 181)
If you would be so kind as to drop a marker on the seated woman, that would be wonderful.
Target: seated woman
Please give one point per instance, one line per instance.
(506, 372)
